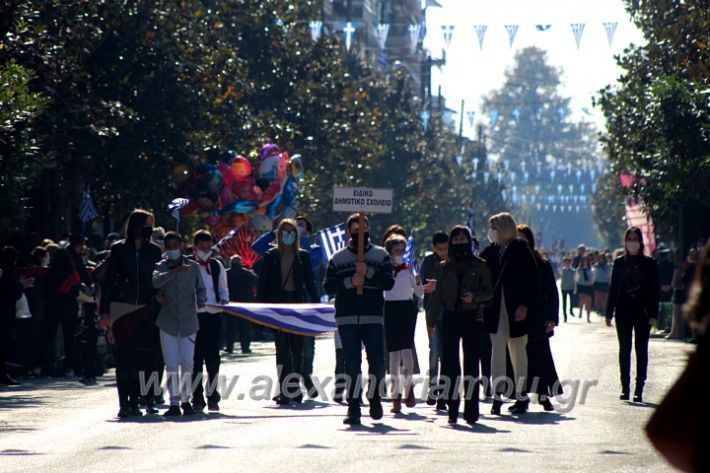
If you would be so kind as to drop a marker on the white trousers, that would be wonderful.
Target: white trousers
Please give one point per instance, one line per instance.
(178, 353)
(518, 355)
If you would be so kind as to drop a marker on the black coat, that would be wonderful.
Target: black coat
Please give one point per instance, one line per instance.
(129, 276)
(515, 274)
(646, 305)
(270, 282)
(10, 293)
(547, 307)
(242, 284)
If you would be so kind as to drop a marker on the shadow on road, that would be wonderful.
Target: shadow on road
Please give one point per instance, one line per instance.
(534, 418)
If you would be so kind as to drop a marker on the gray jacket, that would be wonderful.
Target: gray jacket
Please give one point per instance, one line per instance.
(178, 316)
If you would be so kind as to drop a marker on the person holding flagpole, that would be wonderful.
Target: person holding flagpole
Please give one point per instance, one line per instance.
(360, 318)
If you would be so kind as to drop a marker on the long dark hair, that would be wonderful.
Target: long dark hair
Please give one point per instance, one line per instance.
(136, 221)
(638, 233)
(62, 265)
(456, 231)
(698, 305)
(530, 237)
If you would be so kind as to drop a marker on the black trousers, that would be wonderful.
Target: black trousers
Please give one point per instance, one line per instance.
(87, 339)
(289, 362)
(207, 344)
(68, 318)
(630, 326)
(461, 329)
(567, 296)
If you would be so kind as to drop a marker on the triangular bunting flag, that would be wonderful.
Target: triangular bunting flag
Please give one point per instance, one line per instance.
(543, 27)
(87, 210)
(448, 31)
(481, 34)
(414, 31)
(493, 115)
(383, 29)
(512, 31)
(426, 115)
(316, 28)
(471, 116)
(578, 30)
(610, 28)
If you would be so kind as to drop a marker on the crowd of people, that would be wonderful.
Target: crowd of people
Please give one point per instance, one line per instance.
(155, 297)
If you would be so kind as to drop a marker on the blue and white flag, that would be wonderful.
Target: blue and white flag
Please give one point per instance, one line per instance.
(316, 28)
(349, 29)
(481, 34)
(175, 205)
(448, 31)
(610, 28)
(512, 31)
(414, 32)
(470, 222)
(87, 210)
(425, 115)
(383, 29)
(578, 30)
(332, 239)
(409, 251)
(300, 319)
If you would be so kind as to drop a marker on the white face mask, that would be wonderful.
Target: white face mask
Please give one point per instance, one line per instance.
(397, 260)
(173, 254)
(203, 255)
(633, 247)
(492, 235)
(45, 263)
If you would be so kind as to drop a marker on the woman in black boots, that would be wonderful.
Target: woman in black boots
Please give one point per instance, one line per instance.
(633, 300)
(129, 310)
(286, 275)
(541, 366)
(463, 284)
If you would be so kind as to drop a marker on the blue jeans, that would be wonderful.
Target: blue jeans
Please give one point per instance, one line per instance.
(435, 343)
(353, 337)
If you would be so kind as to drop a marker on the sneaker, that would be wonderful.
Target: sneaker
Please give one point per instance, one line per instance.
(151, 410)
(376, 409)
(212, 405)
(430, 401)
(173, 411)
(187, 409)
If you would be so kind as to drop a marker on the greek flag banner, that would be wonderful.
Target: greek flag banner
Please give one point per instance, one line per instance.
(300, 319)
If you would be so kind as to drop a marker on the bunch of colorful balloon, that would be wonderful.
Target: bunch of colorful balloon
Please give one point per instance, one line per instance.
(230, 194)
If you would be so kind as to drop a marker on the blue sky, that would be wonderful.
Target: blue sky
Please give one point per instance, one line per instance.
(471, 73)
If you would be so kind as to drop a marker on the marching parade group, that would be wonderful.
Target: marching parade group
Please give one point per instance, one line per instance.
(159, 305)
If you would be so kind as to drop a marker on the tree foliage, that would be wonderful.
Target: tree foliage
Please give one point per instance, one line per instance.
(135, 88)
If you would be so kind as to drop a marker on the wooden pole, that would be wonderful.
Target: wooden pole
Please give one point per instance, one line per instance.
(361, 245)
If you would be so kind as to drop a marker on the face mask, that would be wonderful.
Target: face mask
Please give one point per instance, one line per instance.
(203, 255)
(355, 236)
(397, 260)
(288, 238)
(460, 249)
(633, 247)
(146, 232)
(492, 235)
(173, 254)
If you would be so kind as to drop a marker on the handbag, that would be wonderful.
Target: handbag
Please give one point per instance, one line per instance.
(22, 308)
(676, 428)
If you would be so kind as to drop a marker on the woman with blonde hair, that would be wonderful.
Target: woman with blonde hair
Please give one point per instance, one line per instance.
(286, 275)
(515, 278)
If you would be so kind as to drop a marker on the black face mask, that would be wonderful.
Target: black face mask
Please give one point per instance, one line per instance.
(355, 236)
(146, 232)
(460, 250)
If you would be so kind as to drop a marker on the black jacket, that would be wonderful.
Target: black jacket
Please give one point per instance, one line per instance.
(518, 281)
(10, 293)
(547, 307)
(242, 284)
(129, 276)
(646, 304)
(270, 283)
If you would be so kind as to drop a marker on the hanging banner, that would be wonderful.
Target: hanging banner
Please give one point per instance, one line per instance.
(349, 32)
(471, 116)
(384, 30)
(512, 31)
(87, 209)
(578, 30)
(426, 115)
(543, 27)
(448, 31)
(481, 34)
(316, 28)
(610, 28)
(414, 31)
(493, 115)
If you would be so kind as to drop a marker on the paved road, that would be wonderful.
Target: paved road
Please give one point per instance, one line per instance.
(57, 425)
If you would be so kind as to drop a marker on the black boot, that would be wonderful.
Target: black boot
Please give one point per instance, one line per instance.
(353, 417)
(497, 404)
(520, 407)
(638, 392)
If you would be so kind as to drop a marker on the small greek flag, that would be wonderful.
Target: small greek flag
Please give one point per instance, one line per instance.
(175, 207)
(332, 239)
(409, 251)
(300, 319)
(87, 210)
